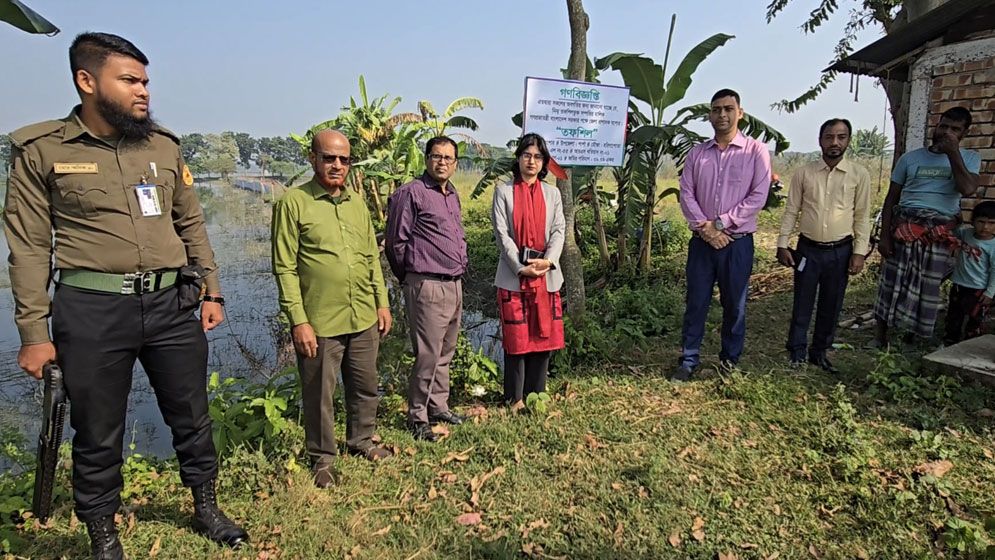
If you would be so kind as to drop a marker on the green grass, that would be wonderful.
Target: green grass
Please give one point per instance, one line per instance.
(768, 462)
(772, 460)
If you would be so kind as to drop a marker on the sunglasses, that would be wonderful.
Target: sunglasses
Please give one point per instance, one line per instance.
(327, 159)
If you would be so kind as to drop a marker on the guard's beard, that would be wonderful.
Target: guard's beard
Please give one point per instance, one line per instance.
(131, 128)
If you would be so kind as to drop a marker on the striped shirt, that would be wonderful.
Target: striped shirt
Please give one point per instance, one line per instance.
(425, 230)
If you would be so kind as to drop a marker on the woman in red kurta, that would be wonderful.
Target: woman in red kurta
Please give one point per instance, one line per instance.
(529, 228)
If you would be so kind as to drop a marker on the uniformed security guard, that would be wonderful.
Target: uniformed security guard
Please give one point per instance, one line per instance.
(131, 251)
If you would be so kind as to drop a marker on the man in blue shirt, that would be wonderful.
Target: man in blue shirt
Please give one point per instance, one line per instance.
(917, 227)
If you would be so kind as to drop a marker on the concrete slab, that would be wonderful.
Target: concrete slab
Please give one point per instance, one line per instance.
(974, 357)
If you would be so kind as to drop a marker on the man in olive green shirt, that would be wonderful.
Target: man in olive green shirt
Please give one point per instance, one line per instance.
(327, 266)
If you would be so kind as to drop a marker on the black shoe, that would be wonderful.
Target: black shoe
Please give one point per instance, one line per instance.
(447, 417)
(210, 521)
(104, 543)
(823, 363)
(423, 431)
(373, 453)
(796, 363)
(681, 375)
(325, 475)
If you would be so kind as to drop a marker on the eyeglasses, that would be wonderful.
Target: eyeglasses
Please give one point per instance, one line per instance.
(329, 159)
(531, 157)
(444, 159)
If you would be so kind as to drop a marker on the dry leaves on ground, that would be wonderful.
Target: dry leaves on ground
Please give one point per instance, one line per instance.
(477, 482)
(698, 529)
(934, 468)
(468, 519)
(675, 539)
(460, 456)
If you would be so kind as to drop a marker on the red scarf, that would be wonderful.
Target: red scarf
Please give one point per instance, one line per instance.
(529, 219)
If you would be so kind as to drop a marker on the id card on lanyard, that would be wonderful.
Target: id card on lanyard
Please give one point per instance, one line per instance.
(148, 199)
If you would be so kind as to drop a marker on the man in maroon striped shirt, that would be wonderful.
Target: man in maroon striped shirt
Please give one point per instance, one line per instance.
(426, 248)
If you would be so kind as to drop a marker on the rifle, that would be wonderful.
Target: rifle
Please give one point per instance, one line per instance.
(54, 410)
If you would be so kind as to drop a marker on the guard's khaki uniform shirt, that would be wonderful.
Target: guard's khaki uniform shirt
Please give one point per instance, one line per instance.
(65, 179)
(829, 204)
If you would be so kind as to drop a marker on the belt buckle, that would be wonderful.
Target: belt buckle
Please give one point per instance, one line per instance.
(137, 282)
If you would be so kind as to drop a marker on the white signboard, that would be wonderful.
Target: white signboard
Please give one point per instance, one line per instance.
(583, 123)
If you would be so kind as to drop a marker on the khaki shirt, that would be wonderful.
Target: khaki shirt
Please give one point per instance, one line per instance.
(65, 179)
(829, 204)
(326, 261)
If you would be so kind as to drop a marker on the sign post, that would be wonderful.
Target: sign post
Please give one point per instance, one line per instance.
(582, 123)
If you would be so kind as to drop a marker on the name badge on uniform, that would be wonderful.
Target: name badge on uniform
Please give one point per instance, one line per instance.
(69, 168)
(148, 200)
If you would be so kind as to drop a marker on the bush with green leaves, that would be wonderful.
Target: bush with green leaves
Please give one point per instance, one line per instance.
(472, 374)
(250, 414)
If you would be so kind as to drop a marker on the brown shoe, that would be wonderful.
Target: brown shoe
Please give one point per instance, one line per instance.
(325, 475)
(374, 453)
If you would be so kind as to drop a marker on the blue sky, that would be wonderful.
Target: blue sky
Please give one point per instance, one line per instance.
(271, 68)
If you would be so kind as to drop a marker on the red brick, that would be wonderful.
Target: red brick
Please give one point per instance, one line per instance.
(988, 167)
(940, 94)
(981, 129)
(953, 80)
(984, 76)
(988, 155)
(943, 69)
(975, 142)
(983, 105)
(986, 180)
(968, 203)
(973, 65)
(982, 116)
(974, 92)
(947, 105)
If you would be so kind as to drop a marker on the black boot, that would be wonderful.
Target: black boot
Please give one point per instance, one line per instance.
(104, 543)
(211, 521)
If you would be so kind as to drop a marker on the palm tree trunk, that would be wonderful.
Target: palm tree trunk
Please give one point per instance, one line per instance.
(571, 260)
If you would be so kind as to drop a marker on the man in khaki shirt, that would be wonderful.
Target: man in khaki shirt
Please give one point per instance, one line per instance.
(829, 199)
(132, 255)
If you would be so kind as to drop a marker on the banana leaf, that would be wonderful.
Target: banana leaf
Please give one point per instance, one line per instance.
(24, 18)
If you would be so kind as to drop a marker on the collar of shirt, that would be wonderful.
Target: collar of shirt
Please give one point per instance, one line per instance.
(844, 166)
(739, 141)
(431, 183)
(317, 191)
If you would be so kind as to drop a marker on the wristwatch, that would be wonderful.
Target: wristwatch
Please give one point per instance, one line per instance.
(719, 225)
(215, 299)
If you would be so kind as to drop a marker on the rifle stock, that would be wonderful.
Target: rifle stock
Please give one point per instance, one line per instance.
(54, 410)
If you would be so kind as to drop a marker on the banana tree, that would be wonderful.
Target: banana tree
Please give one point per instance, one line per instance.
(439, 123)
(385, 146)
(653, 136)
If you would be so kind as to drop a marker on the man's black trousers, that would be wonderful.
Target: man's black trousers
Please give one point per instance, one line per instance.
(97, 338)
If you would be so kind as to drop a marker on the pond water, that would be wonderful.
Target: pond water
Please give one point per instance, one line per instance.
(248, 344)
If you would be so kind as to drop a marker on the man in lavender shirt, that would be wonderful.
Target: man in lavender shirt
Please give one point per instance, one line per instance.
(426, 248)
(724, 186)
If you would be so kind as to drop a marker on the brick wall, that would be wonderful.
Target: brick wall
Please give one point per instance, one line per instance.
(970, 85)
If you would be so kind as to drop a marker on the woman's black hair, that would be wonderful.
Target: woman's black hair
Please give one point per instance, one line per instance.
(532, 139)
